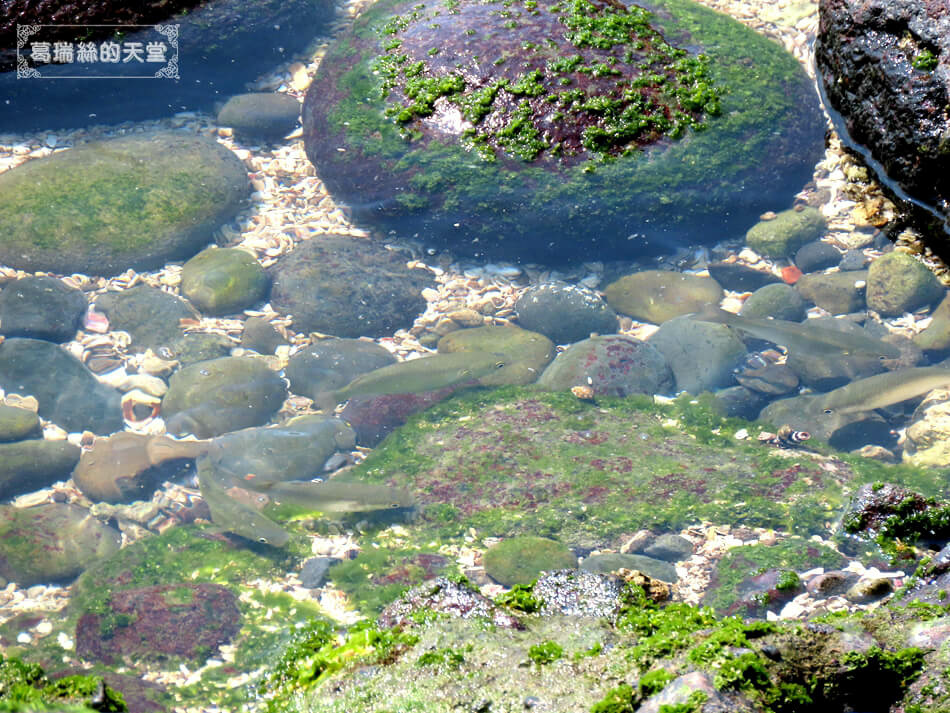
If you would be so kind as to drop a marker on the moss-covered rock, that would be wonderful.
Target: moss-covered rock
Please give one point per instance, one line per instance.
(51, 543)
(660, 295)
(136, 201)
(223, 280)
(227, 394)
(898, 282)
(17, 423)
(936, 336)
(784, 234)
(839, 292)
(526, 353)
(519, 560)
(492, 130)
(779, 301)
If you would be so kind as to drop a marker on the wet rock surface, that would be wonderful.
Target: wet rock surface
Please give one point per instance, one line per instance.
(260, 115)
(701, 355)
(213, 397)
(183, 620)
(131, 202)
(30, 465)
(51, 543)
(519, 560)
(898, 283)
(223, 280)
(786, 233)
(17, 423)
(883, 65)
(611, 365)
(446, 201)
(332, 363)
(348, 287)
(564, 313)
(151, 316)
(837, 292)
(67, 392)
(41, 308)
(777, 301)
(657, 295)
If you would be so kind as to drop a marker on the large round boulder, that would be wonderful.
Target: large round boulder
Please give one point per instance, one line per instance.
(885, 66)
(558, 130)
(132, 202)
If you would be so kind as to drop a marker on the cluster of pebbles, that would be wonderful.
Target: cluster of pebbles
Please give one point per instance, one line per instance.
(289, 204)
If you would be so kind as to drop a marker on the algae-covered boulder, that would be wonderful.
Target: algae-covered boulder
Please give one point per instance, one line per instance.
(17, 423)
(898, 282)
(131, 202)
(660, 295)
(223, 280)
(551, 130)
(520, 560)
(213, 397)
(838, 292)
(784, 234)
(612, 364)
(51, 543)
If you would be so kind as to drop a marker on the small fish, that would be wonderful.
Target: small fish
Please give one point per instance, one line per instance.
(805, 338)
(235, 514)
(333, 495)
(886, 389)
(417, 376)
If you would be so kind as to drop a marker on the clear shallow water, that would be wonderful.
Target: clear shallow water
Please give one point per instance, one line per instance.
(281, 172)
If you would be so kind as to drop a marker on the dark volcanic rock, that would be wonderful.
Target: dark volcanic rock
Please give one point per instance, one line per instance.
(348, 287)
(507, 117)
(154, 623)
(885, 65)
(222, 44)
(67, 392)
(129, 202)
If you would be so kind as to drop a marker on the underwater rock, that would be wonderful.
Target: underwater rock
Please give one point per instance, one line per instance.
(817, 255)
(525, 353)
(883, 65)
(778, 301)
(895, 512)
(17, 423)
(702, 355)
(195, 347)
(519, 560)
(51, 543)
(660, 295)
(574, 592)
(31, 465)
(297, 450)
(740, 278)
(188, 620)
(504, 159)
(898, 282)
(761, 373)
(260, 115)
(650, 566)
(68, 393)
(375, 417)
(852, 260)
(784, 234)
(740, 402)
(315, 571)
(669, 547)
(612, 365)
(125, 466)
(136, 202)
(223, 280)
(209, 398)
(41, 308)
(564, 313)
(261, 336)
(838, 292)
(328, 364)
(151, 316)
(936, 336)
(927, 438)
(348, 287)
(220, 45)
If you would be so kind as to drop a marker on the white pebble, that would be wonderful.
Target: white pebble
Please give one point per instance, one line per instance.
(24, 638)
(44, 628)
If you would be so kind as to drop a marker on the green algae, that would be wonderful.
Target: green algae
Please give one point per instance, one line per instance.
(25, 687)
(546, 652)
(745, 86)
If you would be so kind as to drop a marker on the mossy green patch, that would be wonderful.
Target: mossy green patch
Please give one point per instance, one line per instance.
(25, 687)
